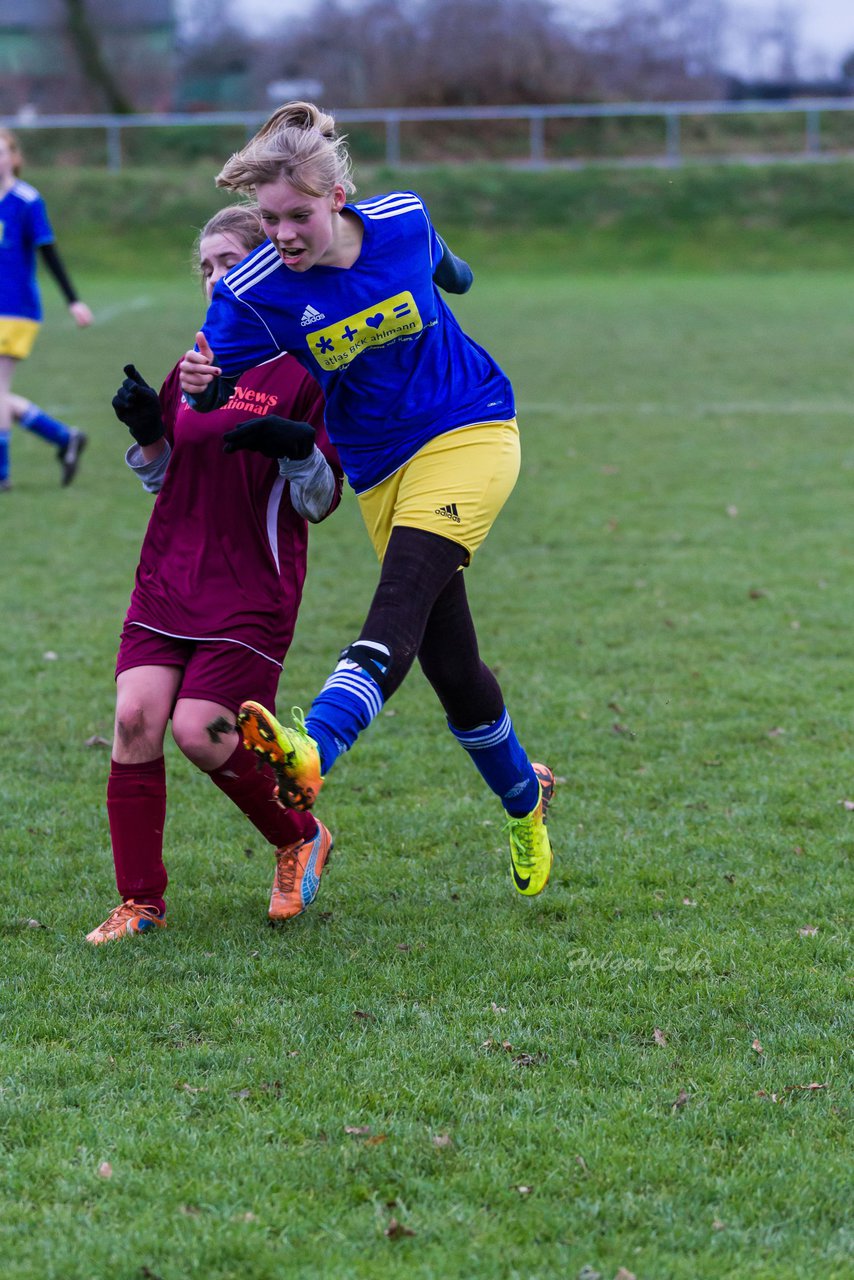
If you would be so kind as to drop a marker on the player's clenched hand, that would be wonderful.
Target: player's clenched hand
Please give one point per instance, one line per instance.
(82, 315)
(198, 368)
(137, 405)
(273, 436)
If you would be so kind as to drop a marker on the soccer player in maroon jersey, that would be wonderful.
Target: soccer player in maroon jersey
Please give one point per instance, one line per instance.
(214, 602)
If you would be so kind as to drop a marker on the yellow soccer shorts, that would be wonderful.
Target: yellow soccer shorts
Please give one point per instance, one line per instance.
(17, 336)
(455, 487)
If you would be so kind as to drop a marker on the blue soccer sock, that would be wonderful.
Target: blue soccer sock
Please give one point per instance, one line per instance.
(347, 703)
(4, 456)
(42, 424)
(501, 762)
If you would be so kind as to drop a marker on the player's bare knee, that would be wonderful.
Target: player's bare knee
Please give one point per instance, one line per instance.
(132, 728)
(194, 740)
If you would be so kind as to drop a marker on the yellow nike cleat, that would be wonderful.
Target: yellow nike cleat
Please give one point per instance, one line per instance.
(292, 754)
(531, 853)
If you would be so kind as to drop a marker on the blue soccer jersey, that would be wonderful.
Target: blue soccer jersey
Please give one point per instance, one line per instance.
(394, 364)
(24, 226)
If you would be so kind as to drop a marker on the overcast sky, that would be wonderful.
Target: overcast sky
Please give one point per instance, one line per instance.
(825, 27)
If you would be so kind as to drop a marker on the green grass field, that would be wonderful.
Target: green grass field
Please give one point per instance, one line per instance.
(608, 1080)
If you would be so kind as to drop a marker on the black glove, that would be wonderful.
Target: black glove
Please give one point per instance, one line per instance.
(273, 436)
(137, 405)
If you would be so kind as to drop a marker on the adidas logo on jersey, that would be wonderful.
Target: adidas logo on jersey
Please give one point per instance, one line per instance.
(310, 316)
(449, 511)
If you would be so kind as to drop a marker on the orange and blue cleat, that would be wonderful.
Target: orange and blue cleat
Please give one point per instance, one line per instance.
(126, 919)
(299, 867)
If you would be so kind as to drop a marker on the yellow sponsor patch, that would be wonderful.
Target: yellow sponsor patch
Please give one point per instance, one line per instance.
(340, 343)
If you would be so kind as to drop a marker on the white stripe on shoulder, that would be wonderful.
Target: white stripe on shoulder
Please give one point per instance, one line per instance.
(25, 191)
(260, 265)
(250, 263)
(391, 206)
(392, 197)
(243, 286)
(245, 268)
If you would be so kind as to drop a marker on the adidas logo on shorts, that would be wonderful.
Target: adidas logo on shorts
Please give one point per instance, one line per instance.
(311, 316)
(449, 511)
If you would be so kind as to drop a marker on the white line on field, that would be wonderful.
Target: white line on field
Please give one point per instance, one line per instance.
(643, 408)
(122, 308)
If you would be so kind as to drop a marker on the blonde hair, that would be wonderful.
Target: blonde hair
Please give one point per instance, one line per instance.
(240, 220)
(17, 158)
(298, 143)
(243, 221)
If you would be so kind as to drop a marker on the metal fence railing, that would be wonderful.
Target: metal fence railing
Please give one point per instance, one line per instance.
(807, 142)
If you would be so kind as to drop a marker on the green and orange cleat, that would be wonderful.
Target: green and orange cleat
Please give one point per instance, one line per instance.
(292, 754)
(299, 867)
(531, 855)
(125, 920)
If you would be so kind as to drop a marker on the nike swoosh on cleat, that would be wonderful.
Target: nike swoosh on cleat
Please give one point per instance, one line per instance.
(520, 883)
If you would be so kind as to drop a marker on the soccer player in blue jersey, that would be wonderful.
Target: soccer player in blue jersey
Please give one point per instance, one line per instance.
(424, 423)
(24, 228)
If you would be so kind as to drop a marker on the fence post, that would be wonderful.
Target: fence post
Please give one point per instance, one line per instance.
(114, 147)
(392, 141)
(674, 135)
(813, 138)
(538, 141)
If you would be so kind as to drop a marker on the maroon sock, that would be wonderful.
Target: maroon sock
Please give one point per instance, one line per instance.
(136, 808)
(252, 790)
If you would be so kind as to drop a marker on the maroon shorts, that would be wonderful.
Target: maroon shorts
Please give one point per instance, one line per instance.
(213, 670)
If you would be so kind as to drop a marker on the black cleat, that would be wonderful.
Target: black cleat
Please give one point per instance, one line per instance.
(69, 457)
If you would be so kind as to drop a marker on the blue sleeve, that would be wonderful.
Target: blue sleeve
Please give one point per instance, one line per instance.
(450, 273)
(437, 247)
(41, 232)
(453, 274)
(238, 336)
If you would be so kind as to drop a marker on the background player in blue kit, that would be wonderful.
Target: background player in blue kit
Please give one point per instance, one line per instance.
(423, 420)
(24, 228)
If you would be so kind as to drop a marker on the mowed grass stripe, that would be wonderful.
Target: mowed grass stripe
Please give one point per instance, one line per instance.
(667, 601)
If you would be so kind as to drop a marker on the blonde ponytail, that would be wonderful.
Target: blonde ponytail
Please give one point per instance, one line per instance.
(299, 143)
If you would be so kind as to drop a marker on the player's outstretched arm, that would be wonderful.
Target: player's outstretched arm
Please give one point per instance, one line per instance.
(272, 436)
(82, 315)
(137, 405)
(313, 487)
(452, 274)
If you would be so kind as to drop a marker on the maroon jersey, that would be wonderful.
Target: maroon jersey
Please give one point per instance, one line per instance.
(224, 555)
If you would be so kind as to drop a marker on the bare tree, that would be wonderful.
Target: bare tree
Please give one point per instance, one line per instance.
(205, 22)
(432, 52)
(486, 51)
(477, 52)
(766, 46)
(776, 43)
(658, 49)
(94, 68)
